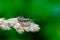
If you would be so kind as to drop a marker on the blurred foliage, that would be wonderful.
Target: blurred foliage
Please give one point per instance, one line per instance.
(46, 13)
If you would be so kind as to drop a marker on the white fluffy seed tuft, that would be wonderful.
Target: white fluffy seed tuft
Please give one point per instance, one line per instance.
(20, 25)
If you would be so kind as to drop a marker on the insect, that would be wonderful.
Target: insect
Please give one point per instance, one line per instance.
(24, 22)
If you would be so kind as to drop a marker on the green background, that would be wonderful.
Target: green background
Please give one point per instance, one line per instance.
(46, 13)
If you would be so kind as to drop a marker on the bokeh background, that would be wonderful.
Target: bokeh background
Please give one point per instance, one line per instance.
(46, 13)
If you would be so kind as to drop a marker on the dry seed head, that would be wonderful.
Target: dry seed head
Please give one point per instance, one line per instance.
(20, 24)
